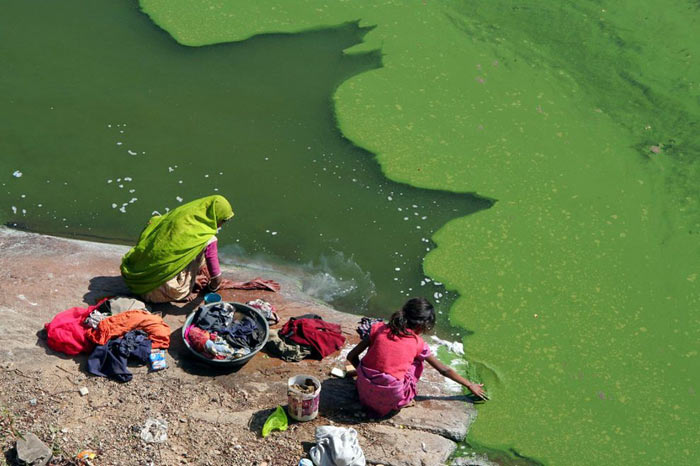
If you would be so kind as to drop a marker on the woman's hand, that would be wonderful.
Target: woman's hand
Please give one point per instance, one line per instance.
(226, 284)
(202, 281)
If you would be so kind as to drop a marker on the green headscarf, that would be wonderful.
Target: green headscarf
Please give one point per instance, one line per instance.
(171, 241)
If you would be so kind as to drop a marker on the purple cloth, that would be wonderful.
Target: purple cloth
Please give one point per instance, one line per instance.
(211, 254)
(383, 393)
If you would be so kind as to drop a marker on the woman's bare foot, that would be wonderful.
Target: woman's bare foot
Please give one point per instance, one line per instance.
(191, 297)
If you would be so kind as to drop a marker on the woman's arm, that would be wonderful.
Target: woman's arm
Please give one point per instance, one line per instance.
(354, 354)
(476, 388)
(216, 281)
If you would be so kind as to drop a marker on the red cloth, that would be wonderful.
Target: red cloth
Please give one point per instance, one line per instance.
(118, 325)
(255, 284)
(391, 354)
(198, 339)
(324, 337)
(67, 333)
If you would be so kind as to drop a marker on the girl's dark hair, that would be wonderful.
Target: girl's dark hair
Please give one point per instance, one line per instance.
(417, 315)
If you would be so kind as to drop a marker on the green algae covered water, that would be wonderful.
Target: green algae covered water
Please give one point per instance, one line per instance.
(579, 285)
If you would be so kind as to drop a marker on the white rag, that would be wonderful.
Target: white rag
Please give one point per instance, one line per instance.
(337, 446)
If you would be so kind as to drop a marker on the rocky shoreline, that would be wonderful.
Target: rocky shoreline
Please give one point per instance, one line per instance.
(213, 418)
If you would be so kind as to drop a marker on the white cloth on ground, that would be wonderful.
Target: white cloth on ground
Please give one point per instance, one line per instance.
(337, 446)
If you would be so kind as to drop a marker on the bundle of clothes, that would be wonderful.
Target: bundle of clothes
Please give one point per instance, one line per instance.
(114, 331)
(305, 336)
(218, 332)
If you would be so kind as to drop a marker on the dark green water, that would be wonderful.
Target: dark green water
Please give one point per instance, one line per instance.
(109, 120)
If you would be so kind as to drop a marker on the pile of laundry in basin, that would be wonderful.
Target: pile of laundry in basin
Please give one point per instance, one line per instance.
(218, 332)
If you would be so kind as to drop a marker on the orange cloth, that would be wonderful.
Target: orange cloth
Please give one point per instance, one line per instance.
(120, 324)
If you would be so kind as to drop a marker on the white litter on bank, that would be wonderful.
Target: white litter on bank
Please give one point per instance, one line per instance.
(24, 298)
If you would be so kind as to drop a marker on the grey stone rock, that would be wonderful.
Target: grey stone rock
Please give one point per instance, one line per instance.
(447, 417)
(479, 460)
(397, 447)
(32, 451)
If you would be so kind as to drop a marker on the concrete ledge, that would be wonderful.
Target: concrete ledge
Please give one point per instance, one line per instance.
(41, 276)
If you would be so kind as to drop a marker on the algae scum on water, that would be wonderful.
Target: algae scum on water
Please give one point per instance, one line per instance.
(580, 119)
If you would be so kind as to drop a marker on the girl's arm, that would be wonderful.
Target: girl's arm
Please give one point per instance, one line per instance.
(476, 388)
(354, 354)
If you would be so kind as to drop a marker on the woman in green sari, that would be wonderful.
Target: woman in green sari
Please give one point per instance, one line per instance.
(164, 264)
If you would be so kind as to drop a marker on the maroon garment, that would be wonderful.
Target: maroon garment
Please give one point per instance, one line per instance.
(324, 337)
(211, 255)
(255, 284)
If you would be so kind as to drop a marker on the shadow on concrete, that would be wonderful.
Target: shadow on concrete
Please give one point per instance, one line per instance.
(340, 402)
(103, 286)
(257, 420)
(174, 310)
(41, 343)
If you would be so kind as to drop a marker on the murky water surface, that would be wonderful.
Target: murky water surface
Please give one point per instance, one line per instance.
(107, 120)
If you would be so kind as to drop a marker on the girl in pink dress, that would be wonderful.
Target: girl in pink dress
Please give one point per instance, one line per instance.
(388, 374)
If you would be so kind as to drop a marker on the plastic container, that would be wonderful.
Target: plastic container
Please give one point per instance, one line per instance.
(303, 406)
(210, 298)
(232, 363)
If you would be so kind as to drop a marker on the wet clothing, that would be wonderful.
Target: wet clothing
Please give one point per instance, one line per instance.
(284, 349)
(214, 317)
(365, 326)
(197, 338)
(171, 242)
(219, 319)
(383, 393)
(243, 333)
(67, 332)
(391, 354)
(257, 284)
(216, 333)
(267, 310)
(111, 360)
(323, 337)
(116, 326)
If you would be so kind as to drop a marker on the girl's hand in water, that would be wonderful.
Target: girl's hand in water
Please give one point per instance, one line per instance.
(478, 390)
